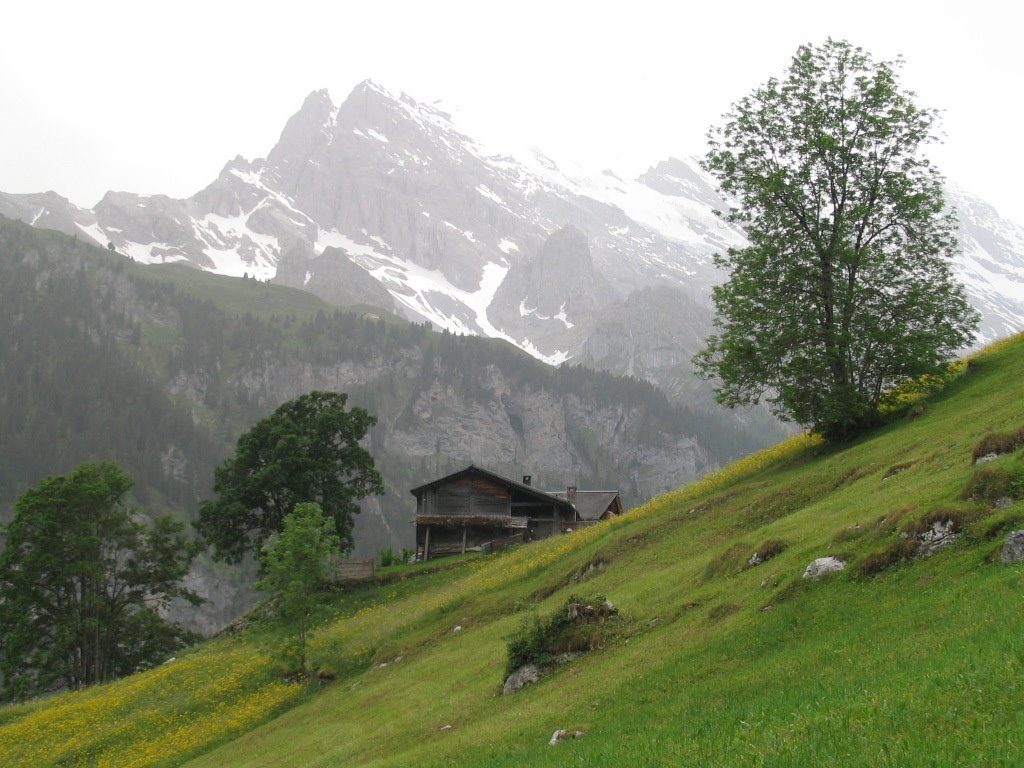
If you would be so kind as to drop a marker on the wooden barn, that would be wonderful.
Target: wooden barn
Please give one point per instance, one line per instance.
(475, 509)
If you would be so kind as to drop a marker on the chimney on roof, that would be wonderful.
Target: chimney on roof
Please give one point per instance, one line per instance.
(527, 479)
(570, 493)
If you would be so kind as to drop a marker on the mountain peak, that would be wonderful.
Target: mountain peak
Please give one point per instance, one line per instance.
(318, 100)
(369, 87)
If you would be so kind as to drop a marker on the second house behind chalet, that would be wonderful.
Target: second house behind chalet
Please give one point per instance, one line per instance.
(475, 509)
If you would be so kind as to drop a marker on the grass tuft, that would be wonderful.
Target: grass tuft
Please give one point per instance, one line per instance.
(998, 443)
(993, 483)
(766, 551)
(886, 558)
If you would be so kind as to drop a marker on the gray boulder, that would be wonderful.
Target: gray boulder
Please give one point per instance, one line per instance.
(818, 568)
(941, 534)
(1013, 547)
(526, 674)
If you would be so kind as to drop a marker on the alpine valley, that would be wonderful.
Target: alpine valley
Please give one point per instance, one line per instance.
(427, 239)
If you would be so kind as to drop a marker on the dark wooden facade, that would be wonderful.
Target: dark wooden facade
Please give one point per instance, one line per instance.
(477, 510)
(474, 509)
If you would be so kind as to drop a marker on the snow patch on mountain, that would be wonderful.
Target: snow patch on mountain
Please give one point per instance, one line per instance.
(561, 316)
(95, 232)
(486, 192)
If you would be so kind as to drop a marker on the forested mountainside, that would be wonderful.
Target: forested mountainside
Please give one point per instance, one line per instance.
(162, 367)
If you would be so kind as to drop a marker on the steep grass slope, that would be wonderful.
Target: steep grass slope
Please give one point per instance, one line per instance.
(914, 661)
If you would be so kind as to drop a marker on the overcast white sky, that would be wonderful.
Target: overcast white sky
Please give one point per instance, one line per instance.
(156, 97)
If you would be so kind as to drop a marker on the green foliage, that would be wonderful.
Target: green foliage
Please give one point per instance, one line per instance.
(389, 557)
(846, 288)
(81, 582)
(538, 641)
(307, 450)
(296, 562)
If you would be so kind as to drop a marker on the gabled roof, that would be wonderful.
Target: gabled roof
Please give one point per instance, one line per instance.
(527, 490)
(591, 505)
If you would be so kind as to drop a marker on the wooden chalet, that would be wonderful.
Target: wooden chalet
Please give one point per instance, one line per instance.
(478, 510)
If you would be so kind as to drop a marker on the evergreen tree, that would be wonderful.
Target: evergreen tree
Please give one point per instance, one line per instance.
(845, 289)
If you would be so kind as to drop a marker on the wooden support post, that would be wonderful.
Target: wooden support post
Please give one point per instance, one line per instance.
(464, 529)
(426, 546)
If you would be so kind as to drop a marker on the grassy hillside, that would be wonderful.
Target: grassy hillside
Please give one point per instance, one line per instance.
(712, 662)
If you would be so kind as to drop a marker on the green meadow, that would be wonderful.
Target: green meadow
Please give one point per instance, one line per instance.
(897, 660)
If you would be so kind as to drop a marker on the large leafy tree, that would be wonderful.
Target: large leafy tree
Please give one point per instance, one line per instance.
(306, 451)
(295, 564)
(82, 581)
(845, 288)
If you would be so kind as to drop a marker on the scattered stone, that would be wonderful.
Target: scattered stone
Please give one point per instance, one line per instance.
(564, 658)
(818, 568)
(654, 622)
(561, 734)
(986, 458)
(457, 628)
(170, 660)
(856, 526)
(1003, 502)
(382, 665)
(1013, 547)
(755, 559)
(447, 727)
(941, 534)
(522, 677)
(767, 607)
(398, 658)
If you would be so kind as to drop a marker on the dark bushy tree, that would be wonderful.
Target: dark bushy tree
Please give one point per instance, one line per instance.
(81, 583)
(306, 451)
(845, 288)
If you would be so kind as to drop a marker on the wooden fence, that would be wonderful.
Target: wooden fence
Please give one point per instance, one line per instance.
(354, 569)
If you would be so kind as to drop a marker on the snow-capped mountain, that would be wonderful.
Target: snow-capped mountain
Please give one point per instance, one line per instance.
(382, 200)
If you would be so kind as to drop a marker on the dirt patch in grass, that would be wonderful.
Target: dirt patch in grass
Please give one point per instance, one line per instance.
(958, 518)
(998, 443)
(889, 522)
(886, 558)
(895, 469)
(722, 611)
(851, 476)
